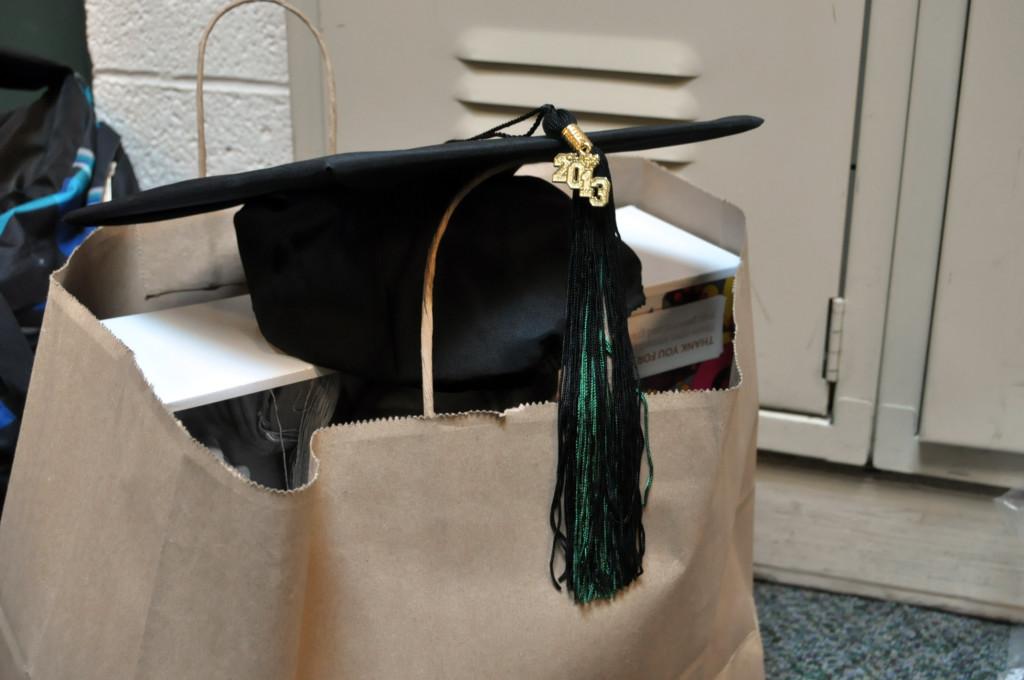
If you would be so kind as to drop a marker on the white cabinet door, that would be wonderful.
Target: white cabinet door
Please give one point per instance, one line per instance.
(974, 392)
(950, 398)
(416, 73)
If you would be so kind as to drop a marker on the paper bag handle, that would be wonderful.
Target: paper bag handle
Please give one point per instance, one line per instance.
(332, 111)
(427, 315)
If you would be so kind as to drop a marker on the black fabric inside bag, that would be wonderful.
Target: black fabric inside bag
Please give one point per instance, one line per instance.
(336, 277)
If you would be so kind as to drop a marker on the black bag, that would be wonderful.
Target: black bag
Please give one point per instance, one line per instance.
(54, 157)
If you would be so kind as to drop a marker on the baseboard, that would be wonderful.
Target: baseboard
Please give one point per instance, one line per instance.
(855, 532)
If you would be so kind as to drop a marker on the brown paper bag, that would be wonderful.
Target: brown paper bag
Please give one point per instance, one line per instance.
(419, 550)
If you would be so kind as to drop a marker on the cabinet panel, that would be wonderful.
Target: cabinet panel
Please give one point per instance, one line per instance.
(414, 73)
(974, 391)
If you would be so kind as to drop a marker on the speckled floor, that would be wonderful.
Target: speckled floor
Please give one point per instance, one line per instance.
(811, 634)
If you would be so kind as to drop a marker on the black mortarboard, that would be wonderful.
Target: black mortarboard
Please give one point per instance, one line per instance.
(528, 281)
(333, 250)
(371, 168)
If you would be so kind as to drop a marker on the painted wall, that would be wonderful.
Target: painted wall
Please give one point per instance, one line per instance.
(31, 28)
(144, 64)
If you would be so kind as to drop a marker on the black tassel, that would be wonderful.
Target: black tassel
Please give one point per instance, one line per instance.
(597, 508)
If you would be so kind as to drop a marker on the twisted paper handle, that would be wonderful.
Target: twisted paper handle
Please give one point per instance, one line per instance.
(332, 111)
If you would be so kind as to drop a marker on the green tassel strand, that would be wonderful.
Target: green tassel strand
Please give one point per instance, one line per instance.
(598, 503)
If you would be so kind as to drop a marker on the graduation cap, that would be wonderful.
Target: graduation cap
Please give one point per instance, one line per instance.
(530, 282)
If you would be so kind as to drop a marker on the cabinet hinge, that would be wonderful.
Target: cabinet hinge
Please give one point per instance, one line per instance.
(834, 341)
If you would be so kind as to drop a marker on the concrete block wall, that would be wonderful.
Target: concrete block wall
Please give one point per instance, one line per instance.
(144, 65)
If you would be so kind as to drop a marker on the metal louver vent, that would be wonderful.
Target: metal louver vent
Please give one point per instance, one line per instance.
(631, 81)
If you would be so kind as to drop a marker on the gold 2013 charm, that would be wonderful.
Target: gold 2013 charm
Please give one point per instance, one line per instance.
(577, 169)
